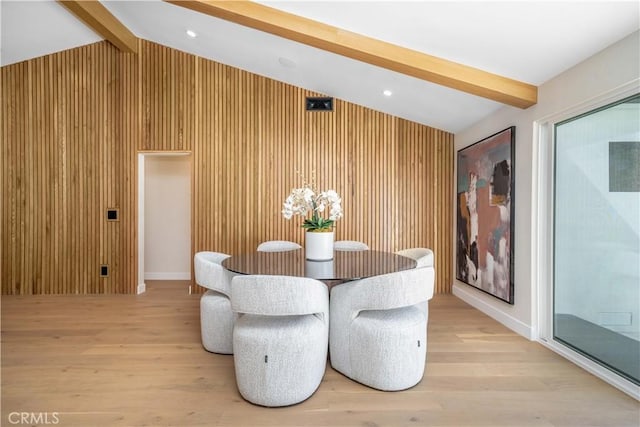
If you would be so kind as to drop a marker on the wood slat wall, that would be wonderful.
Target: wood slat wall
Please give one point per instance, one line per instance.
(73, 123)
(67, 155)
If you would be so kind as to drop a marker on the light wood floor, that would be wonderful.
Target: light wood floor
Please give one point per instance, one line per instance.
(129, 360)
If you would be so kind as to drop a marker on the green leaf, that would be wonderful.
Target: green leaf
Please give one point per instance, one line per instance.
(318, 223)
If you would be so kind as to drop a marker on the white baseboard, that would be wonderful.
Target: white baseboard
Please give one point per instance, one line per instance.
(468, 296)
(142, 288)
(167, 276)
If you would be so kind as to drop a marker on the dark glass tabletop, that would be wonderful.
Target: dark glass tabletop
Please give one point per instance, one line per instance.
(344, 266)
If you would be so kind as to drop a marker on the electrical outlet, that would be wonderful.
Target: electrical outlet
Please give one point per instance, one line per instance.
(112, 214)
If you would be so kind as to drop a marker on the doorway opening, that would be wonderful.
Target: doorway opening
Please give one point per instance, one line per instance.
(164, 219)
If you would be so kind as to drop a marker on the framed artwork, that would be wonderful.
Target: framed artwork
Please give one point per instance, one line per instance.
(485, 212)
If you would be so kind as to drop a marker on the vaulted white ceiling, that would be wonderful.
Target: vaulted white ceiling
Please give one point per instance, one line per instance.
(528, 41)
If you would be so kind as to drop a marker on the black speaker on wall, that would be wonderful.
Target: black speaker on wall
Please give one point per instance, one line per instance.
(319, 104)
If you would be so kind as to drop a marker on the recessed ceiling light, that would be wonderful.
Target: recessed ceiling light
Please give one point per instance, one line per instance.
(387, 92)
(286, 62)
(192, 34)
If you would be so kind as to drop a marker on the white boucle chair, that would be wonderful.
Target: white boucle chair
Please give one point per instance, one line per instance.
(350, 245)
(280, 339)
(278, 246)
(422, 256)
(378, 331)
(216, 317)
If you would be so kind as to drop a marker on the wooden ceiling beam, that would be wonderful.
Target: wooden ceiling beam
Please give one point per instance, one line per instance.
(98, 18)
(375, 52)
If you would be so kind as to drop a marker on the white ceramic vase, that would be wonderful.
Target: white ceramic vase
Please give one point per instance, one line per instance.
(321, 270)
(318, 246)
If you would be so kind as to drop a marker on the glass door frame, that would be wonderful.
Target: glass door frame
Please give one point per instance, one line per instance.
(542, 254)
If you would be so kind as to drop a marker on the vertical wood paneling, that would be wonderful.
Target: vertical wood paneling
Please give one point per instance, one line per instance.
(425, 170)
(66, 158)
(73, 123)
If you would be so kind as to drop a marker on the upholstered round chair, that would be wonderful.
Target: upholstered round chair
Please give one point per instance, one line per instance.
(278, 246)
(216, 317)
(378, 330)
(422, 256)
(280, 339)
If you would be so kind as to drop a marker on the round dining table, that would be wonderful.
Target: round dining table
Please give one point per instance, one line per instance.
(345, 265)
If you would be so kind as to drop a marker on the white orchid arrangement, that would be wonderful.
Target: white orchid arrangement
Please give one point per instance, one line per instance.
(307, 199)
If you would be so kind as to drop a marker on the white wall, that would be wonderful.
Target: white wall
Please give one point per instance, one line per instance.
(611, 68)
(167, 217)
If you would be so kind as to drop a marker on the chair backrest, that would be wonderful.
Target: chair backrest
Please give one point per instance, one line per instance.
(209, 272)
(388, 291)
(279, 296)
(350, 245)
(422, 256)
(278, 246)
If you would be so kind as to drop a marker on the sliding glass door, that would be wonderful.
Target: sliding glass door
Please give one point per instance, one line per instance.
(596, 265)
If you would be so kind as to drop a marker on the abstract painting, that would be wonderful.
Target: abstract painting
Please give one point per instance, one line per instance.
(485, 184)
